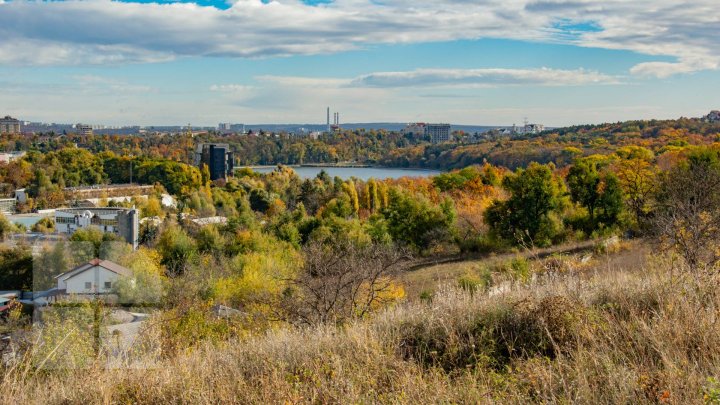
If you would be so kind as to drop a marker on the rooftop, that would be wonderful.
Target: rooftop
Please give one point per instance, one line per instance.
(106, 264)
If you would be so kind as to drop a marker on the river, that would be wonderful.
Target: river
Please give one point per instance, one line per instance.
(362, 173)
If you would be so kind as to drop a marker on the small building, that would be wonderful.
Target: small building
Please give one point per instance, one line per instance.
(414, 129)
(84, 129)
(8, 206)
(9, 126)
(201, 222)
(534, 128)
(120, 221)
(528, 129)
(8, 157)
(21, 195)
(94, 277)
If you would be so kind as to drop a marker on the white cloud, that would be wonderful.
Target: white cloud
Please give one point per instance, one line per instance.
(446, 78)
(104, 85)
(310, 82)
(231, 88)
(484, 77)
(110, 32)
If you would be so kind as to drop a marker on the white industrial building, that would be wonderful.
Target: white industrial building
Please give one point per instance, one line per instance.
(120, 221)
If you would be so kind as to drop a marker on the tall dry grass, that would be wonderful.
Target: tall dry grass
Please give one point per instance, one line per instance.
(647, 335)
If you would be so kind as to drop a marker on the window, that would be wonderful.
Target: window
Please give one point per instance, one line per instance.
(108, 285)
(88, 285)
(64, 220)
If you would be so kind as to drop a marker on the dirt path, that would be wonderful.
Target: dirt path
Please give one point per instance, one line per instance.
(540, 253)
(427, 274)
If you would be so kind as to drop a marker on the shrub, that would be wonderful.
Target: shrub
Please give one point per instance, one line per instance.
(479, 280)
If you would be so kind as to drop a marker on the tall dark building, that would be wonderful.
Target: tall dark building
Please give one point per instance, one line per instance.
(218, 158)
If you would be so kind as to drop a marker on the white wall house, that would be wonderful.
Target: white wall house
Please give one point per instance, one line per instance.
(94, 277)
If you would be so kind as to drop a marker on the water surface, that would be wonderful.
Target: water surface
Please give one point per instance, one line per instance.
(362, 173)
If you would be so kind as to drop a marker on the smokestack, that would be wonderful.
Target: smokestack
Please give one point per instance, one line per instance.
(338, 119)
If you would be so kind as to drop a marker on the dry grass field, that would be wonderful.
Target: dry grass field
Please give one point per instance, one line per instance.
(629, 328)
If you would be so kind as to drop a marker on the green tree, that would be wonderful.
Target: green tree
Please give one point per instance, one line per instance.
(176, 249)
(260, 200)
(5, 227)
(526, 215)
(599, 193)
(16, 269)
(92, 242)
(50, 263)
(414, 220)
(209, 240)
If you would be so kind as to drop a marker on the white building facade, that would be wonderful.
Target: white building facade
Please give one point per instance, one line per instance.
(120, 221)
(438, 133)
(414, 129)
(9, 125)
(84, 129)
(94, 277)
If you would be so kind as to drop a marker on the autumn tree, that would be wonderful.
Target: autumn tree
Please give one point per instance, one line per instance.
(687, 216)
(343, 281)
(176, 248)
(5, 227)
(638, 179)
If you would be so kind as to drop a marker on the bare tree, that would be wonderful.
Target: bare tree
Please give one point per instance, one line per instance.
(342, 281)
(687, 216)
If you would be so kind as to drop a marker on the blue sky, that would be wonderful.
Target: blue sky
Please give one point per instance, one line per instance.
(489, 62)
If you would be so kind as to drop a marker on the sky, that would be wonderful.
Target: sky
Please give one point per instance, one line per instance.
(482, 62)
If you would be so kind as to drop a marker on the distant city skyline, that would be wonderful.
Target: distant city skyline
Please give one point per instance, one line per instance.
(488, 62)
